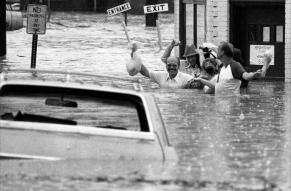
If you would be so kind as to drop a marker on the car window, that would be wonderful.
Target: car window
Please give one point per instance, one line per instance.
(86, 109)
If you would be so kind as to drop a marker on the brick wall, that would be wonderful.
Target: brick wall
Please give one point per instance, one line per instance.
(217, 21)
(288, 41)
(216, 29)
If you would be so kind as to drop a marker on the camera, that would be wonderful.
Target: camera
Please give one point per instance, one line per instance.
(207, 52)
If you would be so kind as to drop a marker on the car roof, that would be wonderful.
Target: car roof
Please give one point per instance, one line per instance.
(11, 76)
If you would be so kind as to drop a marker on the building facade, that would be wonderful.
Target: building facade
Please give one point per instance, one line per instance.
(93, 5)
(254, 26)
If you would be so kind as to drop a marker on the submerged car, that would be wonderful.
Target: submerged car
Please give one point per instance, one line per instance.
(63, 119)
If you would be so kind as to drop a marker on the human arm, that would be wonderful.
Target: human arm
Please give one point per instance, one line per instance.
(144, 71)
(169, 49)
(206, 82)
(240, 73)
(135, 64)
(266, 63)
(198, 83)
(201, 56)
(261, 73)
(252, 75)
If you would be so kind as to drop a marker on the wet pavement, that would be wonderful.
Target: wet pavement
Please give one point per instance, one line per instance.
(231, 143)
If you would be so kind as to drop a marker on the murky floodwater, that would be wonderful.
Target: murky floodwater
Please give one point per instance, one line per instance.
(223, 143)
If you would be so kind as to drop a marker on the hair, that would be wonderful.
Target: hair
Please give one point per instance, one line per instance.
(197, 63)
(227, 48)
(177, 58)
(214, 64)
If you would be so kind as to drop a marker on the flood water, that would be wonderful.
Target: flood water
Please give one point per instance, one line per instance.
(230, 143)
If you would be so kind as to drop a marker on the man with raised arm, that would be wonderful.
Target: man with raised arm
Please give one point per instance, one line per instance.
(171, 78)
(231, 73)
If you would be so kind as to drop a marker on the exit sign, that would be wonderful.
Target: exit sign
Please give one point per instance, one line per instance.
(156, 8)
(36, 19)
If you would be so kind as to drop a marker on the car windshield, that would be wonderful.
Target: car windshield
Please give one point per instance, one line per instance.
(72, 106)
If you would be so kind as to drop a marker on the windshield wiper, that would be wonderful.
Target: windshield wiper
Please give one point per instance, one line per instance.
(36, 118)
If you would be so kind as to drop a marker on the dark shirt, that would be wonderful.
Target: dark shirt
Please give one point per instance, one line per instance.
(236, 69)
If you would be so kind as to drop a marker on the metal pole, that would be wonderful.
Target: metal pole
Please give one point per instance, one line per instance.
(125, 18)
(49, 11)
(33, 51)
(195, 25)
(2, 29)
(182, 27)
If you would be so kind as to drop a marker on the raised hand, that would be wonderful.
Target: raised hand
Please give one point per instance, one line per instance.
(133, 47)
(175, 42)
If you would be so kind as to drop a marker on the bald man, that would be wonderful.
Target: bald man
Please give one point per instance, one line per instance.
(172, 78)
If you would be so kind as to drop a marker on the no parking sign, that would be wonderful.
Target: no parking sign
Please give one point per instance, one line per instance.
(36, 24)
(36, 19)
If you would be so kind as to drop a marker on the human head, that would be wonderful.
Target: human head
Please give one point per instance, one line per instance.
(172, 66)
(210, 66)
(192, 55)
(193, 60)
(225, 49)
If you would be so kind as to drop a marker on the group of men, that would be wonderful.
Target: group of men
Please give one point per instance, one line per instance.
(221, 75)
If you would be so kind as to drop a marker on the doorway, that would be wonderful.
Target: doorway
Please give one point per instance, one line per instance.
(257, 27)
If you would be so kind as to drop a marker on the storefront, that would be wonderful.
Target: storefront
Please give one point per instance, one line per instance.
(253, 26)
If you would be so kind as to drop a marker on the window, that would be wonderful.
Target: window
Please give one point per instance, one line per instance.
(88, 108)
(266, 33)
(279, 33)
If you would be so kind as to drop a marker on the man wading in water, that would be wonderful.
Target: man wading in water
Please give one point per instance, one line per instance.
(172, 78)
(231, 73)
(193, 65)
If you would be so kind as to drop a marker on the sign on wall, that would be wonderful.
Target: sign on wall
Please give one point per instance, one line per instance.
(36, 19)
(257, 53)
(156, 8)
(118, 9)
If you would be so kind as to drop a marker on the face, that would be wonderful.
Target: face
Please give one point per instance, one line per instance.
(191, 60)
(172, 67)
(219, 53)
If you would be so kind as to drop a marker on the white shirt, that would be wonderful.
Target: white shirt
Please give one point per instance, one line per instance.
(227, 84)
(163, 79)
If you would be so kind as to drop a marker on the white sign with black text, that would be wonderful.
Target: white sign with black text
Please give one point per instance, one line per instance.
(118, 9)
(257, 53)
(36, 19)
(156, 8)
